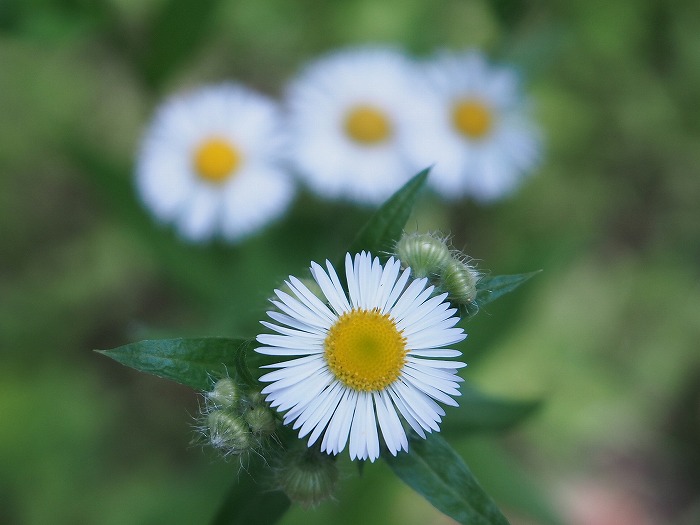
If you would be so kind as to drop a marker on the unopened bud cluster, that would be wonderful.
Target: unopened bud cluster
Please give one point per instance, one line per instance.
(428, 255)
(236, 422)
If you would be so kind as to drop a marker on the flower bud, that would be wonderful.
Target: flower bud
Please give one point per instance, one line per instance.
(424, 253)
(307, 476)
(228, 432)
(225, 394)
(261, 420)
(459, 280)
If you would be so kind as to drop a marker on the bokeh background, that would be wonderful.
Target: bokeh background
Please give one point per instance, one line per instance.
(607, 335)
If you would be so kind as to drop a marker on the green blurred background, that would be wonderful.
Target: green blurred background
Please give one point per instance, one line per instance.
(607, 335)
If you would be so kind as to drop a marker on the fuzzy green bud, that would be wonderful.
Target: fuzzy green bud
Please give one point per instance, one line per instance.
(228, 432)
(225, 394)
(424, 253)
(261, 420)
(307, 476)
(459, 280)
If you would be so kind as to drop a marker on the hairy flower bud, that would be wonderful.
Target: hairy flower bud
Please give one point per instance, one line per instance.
(225, 394)
(307, 476)
(425, 253)
(459, 280)
(228, 432)
(261, 420)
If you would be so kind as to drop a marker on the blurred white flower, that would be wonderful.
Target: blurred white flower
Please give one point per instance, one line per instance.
(360, 358)
(478, 134)
(348, 114)
(209, 163)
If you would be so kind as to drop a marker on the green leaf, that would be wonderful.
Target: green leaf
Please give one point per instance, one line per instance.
(491, 287)
(385, 227)
(249, 503)
(478, 412)
(192, 362)
(176, 34)
(439, 474)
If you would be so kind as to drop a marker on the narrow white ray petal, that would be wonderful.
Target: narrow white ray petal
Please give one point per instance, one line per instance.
(436, 363)
(292, 332)
(431, 390)
(310, 300)
(422, 310)
(447, 375)
(372, 437)
(294, 323)
(274, 350)
(337, 299)
(397, 290)
(430, 323)
(406, 412)
(408, 297)
(336, 284)
(353, 286)
(302, 311)
(286, 341)
(330, 436)
(323, 423)
(343, 433)
(300, 371)
(316, 411)
(386, 284)
(392, 431)
(296, 362)
(358, 432)
(432, 339)
(423, 410)
(435, 352)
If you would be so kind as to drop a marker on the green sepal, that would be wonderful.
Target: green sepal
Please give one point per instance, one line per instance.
(434, 470)
(194, 362)
(479, 412)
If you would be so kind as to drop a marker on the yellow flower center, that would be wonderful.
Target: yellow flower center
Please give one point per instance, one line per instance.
(472, 118)
(367, 125)
(365, 350)
(216, 160)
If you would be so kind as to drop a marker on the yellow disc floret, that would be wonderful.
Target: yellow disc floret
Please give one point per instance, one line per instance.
(216, 160)
(472, 118)
(367, 125)
(365, 350)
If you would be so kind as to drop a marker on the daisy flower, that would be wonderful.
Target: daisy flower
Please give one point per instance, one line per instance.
(363, 360)
(478, 135)
(348, 113)
(208, 163)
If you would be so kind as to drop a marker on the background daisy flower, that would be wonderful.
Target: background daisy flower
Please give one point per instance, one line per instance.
(208, 163)
(348, 113)
(478, 134)
(362, 358)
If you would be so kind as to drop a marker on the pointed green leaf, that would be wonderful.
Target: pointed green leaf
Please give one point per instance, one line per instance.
(192, 362)
(478, 412)
(385, 227)
(434, 470)
(177, 33)
(490, 288)
(249, 503)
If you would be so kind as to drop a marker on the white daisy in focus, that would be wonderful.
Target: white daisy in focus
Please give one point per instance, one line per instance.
(209, 163)
(348, 113)
(361, 359)
(479, 136)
